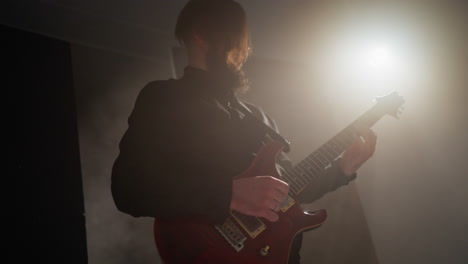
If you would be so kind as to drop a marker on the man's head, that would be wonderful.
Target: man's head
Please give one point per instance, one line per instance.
(216, 29)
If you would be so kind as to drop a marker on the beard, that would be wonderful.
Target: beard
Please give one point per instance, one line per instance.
(229, 77)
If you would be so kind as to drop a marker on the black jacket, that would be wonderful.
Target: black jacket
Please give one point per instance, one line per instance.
(184, 143)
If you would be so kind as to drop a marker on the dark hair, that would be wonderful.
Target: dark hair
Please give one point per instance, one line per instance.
(222, 23)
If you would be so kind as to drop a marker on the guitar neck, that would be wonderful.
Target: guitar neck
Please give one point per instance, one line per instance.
(309, 168)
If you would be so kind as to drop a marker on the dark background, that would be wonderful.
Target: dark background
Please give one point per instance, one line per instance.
(409, 202)
(49, 219)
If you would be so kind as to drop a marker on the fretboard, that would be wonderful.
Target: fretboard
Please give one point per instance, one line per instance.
(310, 168)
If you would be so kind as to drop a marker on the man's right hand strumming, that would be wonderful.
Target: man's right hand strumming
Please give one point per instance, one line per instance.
(259, 196)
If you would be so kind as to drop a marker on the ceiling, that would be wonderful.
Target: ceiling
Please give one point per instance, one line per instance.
(286, 30)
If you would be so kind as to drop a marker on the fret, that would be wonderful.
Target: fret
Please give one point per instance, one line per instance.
(362, 119)
(325, 155)
(341, 144)
(287, 178)
(307, 166)
(301, 189)
(349, 136)
(301, 170)
(298, 173)
(314, 166)
(351, 132)
(310, 167)
(328, 151)
(369, 119)
(341, 139)
(317, 166)
(315, 159)
(293, 188)
(295, 184)
(323, 160)
(301, 185)
(293, 181)
(337, 149)
(304, 173)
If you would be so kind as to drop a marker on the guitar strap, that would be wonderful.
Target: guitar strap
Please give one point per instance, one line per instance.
(244, 109)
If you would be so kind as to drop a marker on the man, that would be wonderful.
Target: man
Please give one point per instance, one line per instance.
(188, 138)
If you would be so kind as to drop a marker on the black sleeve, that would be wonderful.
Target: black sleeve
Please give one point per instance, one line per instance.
(169, 164)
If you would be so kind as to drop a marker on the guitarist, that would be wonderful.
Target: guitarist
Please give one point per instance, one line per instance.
(188, 138)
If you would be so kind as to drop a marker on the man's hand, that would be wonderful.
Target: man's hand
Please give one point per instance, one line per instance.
(358, 153)
(258, 196)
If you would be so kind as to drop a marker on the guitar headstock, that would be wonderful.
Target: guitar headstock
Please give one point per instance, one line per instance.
(390, 104)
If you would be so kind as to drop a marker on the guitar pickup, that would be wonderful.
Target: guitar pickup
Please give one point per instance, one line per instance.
(251, 224)
(287, 203)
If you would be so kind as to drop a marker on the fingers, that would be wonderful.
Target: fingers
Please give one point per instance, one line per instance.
(355, 149)
(275, 189)
(275, 206)
(366, 144)
(276, 199)
(359, 152)
(279, 193)
(370, 139)
(279, 197)
(259, 196)
(280, 185)
(270, 216)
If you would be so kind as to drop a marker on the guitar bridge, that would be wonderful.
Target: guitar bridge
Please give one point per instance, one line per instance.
(232, 234)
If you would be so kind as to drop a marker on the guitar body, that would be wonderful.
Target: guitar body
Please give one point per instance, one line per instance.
(250, 240)
(198, 241)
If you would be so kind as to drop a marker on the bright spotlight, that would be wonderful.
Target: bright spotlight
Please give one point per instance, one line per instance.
(380, 59)
(373, 64)
(367, 62)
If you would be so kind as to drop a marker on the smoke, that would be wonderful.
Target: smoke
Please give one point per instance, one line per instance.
(106, 86)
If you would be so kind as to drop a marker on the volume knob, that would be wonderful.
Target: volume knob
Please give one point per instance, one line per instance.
(264, 251)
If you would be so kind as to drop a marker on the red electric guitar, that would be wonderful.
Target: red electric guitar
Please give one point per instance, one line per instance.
(250, 240)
